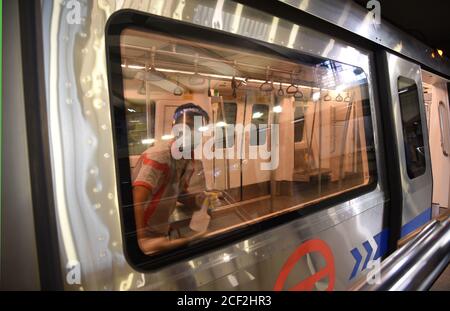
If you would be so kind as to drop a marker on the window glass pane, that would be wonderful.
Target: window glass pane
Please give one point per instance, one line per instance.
(412, 127)
(297, 130)
(260, 118)
(444, 128)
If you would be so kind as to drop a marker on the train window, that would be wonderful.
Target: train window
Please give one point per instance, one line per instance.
(444, 128)
(260, 119)
(412, 127)
(299, 122)
(180, 94)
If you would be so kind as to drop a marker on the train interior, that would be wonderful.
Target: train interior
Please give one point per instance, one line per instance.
(438, 120)
(322, 145)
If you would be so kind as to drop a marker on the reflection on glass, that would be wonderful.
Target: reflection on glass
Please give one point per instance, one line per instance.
(224, 153)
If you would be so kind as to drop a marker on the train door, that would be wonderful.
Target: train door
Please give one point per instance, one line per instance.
(438, 120)
(408, 110)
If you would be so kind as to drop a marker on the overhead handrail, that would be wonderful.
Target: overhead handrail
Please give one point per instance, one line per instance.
(151, 74)
(267, 86)
(178, 91)
(292, 89)
(347, 99)
(211, 59)
(204, 58)
(234, 85)
(280, 91)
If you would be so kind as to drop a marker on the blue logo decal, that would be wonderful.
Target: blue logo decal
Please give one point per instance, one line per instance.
(381, 239)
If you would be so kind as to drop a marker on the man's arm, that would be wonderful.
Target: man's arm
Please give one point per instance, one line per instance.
(151, 245)
(141, 196)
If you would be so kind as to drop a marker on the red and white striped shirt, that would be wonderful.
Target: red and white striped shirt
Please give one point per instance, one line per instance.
(165, 178)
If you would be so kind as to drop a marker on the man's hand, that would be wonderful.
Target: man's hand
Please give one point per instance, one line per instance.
(157, 244)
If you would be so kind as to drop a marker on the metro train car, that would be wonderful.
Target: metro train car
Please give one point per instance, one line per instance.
(215, 144)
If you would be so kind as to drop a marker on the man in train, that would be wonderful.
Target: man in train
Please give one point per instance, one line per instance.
(161, 179)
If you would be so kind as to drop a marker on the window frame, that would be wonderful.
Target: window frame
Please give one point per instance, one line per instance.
(128, 18)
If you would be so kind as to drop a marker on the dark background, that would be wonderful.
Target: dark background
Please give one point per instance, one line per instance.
(427, 20)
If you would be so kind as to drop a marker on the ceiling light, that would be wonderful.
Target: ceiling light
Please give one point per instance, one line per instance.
(316, 96)
(257, 115)
(167, 137)
(148, 141)
(277, 109)
(221, 124)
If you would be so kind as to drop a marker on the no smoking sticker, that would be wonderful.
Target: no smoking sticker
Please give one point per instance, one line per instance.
(307, 284)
